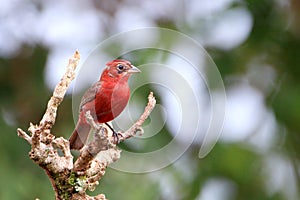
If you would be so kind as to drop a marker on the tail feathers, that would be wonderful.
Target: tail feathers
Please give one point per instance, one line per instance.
(79, 136)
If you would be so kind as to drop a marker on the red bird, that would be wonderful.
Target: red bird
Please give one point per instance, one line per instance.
(106, 99)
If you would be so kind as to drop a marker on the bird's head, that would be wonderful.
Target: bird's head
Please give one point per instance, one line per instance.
(119, 69)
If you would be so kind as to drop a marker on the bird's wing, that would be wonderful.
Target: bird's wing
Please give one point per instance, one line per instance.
(90, 94)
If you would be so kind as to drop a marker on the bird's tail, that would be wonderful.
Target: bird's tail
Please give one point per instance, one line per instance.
(79, 135)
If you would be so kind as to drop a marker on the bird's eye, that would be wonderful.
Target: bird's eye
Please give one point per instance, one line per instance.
(120, 67)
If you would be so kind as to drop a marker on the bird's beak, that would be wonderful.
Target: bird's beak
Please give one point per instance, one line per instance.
(133, 69)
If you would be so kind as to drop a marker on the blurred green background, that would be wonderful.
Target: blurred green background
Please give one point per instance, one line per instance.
(254, 43)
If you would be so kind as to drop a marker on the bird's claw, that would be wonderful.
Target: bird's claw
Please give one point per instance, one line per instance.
(116, 137)
(115, 134)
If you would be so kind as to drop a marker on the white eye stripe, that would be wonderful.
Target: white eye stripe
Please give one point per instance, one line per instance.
(109, 74)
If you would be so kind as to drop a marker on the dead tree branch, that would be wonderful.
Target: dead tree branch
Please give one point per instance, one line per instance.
(70, 179)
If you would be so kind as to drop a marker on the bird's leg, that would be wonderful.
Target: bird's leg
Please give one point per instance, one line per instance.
(115, 134)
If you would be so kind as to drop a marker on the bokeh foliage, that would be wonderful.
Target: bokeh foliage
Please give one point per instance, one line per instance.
(273, 41)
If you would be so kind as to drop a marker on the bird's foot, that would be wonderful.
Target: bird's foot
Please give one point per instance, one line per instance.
(116, 137)
(115, 134)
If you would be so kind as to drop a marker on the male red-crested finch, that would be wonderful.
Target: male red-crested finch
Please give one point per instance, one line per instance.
(106, 99)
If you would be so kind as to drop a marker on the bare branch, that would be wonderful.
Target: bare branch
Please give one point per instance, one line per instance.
(71, 180)
(88, 153)
(101, 151)
(102, 142)
(24, 135)
(132, 131)
(44, 145)
(59, 92)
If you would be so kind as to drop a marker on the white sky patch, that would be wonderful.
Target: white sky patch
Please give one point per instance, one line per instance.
(57, 26)
(229, 29)
(217, 25)
(57, 62)
(184, 100)
(9, 45)
(167, 184)
(206, 8)
(64, 34)
(162, 9)
(266, 134)
(217, 189)
(16, 20)
(280, 176)
(129, 18)
(244, 112)
(67, 29)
